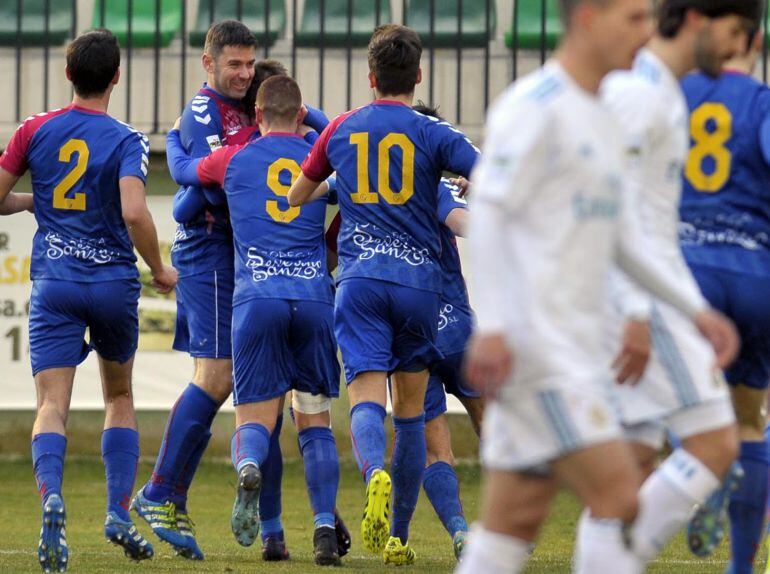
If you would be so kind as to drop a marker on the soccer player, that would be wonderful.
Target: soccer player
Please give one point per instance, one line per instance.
(88, 178)
(725, 233)
(549, 217)
(389, 161)
(282, 307)
(681, 389)
(203, 254)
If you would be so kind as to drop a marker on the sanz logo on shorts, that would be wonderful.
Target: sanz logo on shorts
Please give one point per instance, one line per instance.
(445, 317)
(397, 246)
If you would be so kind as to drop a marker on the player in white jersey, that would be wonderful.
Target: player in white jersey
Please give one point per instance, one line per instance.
(547, 222)
(681, 390)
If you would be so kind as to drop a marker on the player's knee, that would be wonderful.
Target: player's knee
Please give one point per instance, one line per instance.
(617, 502)
(716, 449)
(50, 410)
(311, 410)
(216, 380)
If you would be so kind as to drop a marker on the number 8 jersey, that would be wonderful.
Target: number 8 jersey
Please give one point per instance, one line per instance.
(76, 158)
(389, 160)
(725, 206)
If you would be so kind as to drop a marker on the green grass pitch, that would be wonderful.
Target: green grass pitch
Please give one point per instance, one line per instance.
(210, 502)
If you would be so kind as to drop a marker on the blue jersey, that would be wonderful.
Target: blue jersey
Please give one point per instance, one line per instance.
(389, 160)
(76, 158)
(280, 250)
(725, 207)
(204, 242)
(453, 289)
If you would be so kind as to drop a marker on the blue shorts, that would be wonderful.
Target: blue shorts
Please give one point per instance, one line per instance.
(446, 376)
(281, 345)
(60, 312)
(382, 326)
(204, 312)
(746, 300)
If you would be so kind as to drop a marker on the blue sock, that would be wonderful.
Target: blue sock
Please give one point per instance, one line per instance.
(747, 507)
(120, 452)
(181, 488)
(322, 472)
(249, 445)
(443, 490)
(367, 432)
(270, 495)
(190, 419)
(48, 462)
(408, 465)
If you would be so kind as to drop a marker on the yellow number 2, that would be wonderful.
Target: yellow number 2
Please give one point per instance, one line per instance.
(278, 188)
(364, 193)
(710, 144)
(60, 199)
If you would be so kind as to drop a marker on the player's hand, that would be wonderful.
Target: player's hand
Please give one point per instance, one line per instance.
(631, 361)
(462, 183)
(722, 335)
(164, 280)
(177, 123)
(488, 363)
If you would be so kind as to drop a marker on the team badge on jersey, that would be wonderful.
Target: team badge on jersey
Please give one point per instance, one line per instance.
(214, 142)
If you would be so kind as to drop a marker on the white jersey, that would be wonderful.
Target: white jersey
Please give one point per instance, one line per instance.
(652, 111)
(543, 232)
(650, 106)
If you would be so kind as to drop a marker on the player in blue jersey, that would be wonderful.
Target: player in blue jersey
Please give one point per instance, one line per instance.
(88, 178)
(725, 238)
(282, 308)
(203, 254)
(389, 161)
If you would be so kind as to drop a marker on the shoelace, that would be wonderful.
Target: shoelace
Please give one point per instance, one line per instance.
(165, 514)
(184, 521)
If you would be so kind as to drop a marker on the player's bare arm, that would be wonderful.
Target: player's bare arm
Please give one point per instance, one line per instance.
(457, 221)
(11, 202)
(141, 229)
(302, 190)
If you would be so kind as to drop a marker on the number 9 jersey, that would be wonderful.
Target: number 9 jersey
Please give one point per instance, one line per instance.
(76, 157)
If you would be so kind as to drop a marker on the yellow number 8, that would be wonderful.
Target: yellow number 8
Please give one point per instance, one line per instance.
(710, 144)
(60, 199)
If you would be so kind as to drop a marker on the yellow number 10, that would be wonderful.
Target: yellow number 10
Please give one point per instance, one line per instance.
(364, 193)
(60, 199)
(710, 144)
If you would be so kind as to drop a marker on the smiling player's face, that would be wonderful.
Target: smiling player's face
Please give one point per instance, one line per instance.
(232, 71)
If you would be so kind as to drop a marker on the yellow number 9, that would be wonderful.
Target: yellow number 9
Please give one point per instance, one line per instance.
(280, 189)
(710, 144)
(60, 199)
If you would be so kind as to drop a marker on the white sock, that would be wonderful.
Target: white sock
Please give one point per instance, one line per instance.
(667, 500)
(492, 553)
(603, 548)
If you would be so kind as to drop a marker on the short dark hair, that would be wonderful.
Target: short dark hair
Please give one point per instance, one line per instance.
(93, 58)
(263, 70)
(671, 13)
(394, 58)
(279, 98)
(427, 110)
(228, 33)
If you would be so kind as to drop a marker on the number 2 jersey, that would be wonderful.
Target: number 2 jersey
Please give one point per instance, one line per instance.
(389, 160)
(76, 157)
(725, 207)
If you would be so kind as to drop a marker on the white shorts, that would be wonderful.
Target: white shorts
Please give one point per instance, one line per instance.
(535, 423)
(684, 423)
(680, 375)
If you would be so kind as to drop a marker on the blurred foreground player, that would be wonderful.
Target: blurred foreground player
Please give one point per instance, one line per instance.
(389, 161)
(88, 178)
(548, 220)
(725, 237)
